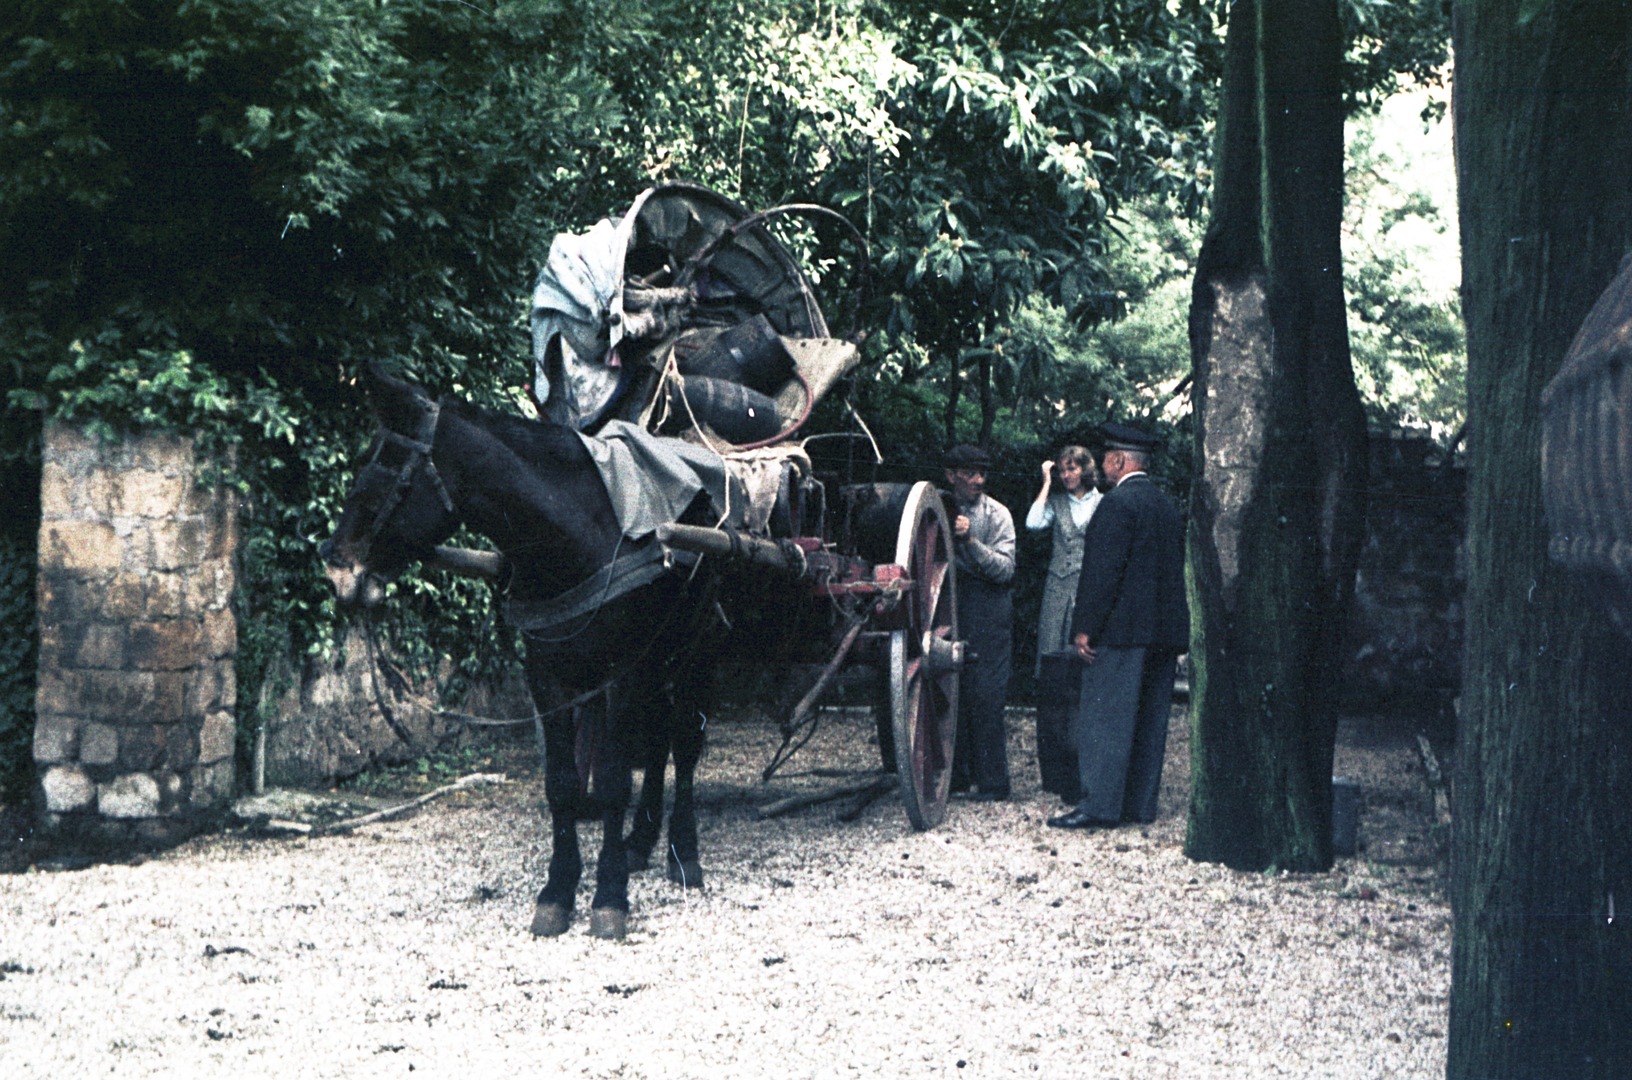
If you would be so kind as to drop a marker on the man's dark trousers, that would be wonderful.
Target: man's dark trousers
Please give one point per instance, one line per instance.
(986, 622)
(1121, 730)
(1059, 694)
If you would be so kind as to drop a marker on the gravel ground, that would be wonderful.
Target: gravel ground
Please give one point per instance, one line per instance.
(990, 946)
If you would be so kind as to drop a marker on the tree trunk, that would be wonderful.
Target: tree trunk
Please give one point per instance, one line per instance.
(988, 401)
(1541, 843)
(949, 411)
(1277, 507)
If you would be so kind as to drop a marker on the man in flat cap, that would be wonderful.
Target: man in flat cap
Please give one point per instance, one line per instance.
(983, 546)
(1131, 623)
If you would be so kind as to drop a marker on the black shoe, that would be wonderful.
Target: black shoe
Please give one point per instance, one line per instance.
(987, 796)
(1078, 818)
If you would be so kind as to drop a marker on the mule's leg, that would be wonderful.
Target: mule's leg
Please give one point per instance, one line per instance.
(686, 730)
(553, 912)
(648, 823)
(609, 910)
(654, 753)
(686, 738)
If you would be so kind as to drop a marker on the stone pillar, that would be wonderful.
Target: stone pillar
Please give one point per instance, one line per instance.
(133, 745)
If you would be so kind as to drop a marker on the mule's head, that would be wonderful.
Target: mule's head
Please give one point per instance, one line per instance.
(397, 510)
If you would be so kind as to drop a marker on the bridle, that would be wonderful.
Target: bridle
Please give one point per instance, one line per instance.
(415, 454)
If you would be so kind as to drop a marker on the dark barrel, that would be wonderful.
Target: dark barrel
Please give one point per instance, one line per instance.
(872, 519)
(739, 414)
(751, 353)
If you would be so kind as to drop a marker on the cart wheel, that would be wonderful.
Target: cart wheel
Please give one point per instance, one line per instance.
(924, 657)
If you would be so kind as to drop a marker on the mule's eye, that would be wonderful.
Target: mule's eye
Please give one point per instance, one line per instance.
(331, 555)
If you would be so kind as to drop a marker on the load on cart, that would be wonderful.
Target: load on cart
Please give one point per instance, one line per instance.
(686, 344)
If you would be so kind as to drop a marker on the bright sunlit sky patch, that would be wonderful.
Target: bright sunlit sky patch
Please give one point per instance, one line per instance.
(1415, 156)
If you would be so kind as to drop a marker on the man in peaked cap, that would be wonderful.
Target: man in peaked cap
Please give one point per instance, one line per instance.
(983, 547)
(1131, 623)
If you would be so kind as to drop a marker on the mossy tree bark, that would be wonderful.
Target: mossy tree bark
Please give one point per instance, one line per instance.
(1541, 843)
(1277, 507)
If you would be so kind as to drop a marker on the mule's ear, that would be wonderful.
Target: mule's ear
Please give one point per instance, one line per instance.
(397, 405)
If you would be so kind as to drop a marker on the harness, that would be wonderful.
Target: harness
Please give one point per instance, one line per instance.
(416, 453)
(624, 574)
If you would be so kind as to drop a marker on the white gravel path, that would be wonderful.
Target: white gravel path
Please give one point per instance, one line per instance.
(991, 946)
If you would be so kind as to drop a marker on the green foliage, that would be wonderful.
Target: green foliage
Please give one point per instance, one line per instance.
(1063, 378)
(1401, 270)
(1395, 45)
(107, 391)
(228, 206)
(1026, 137)
(293, 188)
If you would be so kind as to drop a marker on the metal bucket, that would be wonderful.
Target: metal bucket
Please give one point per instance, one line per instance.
(1345, 816)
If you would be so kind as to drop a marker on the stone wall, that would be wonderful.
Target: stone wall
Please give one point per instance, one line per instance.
(1405, 636)
(331, 719)
(134, 742)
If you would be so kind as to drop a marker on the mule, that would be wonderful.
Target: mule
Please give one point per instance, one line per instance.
(634, 669)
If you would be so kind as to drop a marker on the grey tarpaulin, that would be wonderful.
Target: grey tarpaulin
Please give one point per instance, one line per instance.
(652, 479)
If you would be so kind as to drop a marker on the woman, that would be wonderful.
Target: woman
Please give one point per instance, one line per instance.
(1067, 511)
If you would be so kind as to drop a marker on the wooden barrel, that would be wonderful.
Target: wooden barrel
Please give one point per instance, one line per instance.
(736, 412)
(1586, 452)
(750, 353)
(872, 519)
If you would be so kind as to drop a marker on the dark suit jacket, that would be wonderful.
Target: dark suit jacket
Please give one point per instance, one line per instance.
(1131, 590)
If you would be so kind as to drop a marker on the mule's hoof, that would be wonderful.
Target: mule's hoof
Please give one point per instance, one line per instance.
(551, 920)
(609, 924)
(687, 875)
(638, 860)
